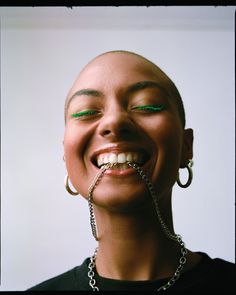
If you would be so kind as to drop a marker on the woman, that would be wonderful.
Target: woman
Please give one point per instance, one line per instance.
(125, 141)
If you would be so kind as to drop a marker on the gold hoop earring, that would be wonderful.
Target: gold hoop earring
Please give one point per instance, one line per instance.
(190, 175)
(68, 187)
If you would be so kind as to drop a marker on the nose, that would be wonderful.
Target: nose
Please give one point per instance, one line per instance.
(116, 123)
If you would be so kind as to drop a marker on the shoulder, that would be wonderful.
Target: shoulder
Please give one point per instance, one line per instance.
(211, 274)
(220, 267)
(225, 272)
(73, 279)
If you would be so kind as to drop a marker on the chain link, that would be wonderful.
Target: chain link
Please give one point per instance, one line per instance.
(95, 182)
(91, 267)
(166, 230)
(153, 195)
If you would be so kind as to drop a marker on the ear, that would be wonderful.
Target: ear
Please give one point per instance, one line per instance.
(187, 148)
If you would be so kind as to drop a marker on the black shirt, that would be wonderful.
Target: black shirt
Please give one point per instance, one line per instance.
(209, 275)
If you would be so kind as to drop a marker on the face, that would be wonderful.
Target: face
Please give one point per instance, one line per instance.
(119, 110)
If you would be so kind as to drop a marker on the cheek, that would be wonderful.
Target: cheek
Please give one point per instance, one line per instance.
(73, 150)
(76, 142)
(169, 152)
(72, 143)
(165, 131)
(168, 143)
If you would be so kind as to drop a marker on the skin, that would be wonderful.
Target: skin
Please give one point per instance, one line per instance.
(132, 245)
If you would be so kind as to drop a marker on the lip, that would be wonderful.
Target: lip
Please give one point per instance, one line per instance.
(125, 172)
(120, 148)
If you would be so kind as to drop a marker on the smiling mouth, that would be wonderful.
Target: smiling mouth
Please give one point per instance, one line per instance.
(120, 160)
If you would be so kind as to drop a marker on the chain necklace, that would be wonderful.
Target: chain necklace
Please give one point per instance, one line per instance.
(175, 237)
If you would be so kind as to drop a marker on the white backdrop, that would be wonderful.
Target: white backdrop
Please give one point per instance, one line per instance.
(44, 231)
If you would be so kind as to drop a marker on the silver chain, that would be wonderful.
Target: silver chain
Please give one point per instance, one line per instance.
(169, 234)
(90, 198)
(91, 266)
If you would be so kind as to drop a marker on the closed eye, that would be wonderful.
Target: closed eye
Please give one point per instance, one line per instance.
(84, 114)
(150, 108)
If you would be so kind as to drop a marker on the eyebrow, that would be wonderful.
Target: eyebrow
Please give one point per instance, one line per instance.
(87, 92)
(131, 89)
(143, 85)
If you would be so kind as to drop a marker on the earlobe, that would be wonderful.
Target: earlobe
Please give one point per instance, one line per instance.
(187, 148)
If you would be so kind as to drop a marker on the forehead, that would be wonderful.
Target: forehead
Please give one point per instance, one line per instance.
(116, 69)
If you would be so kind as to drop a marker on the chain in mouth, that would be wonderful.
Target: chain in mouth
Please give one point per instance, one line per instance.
(120, 160)
(114, 166)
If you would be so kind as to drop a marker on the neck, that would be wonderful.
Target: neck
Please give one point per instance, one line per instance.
(133, 246)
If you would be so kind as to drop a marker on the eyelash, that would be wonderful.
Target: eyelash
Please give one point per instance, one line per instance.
(148, 108)
(84, 113)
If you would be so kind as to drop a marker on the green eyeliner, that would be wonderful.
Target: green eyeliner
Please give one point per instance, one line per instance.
(83, 113)
(152, 108)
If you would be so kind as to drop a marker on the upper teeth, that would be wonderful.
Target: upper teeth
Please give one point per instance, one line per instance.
(120, 158)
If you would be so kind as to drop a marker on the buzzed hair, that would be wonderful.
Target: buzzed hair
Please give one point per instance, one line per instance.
(172, 88)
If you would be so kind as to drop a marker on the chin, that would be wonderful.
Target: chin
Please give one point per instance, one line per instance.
(121, 198)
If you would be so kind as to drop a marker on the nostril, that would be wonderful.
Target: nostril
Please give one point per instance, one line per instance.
(116, 124)
(116, 132)
(125, 131)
